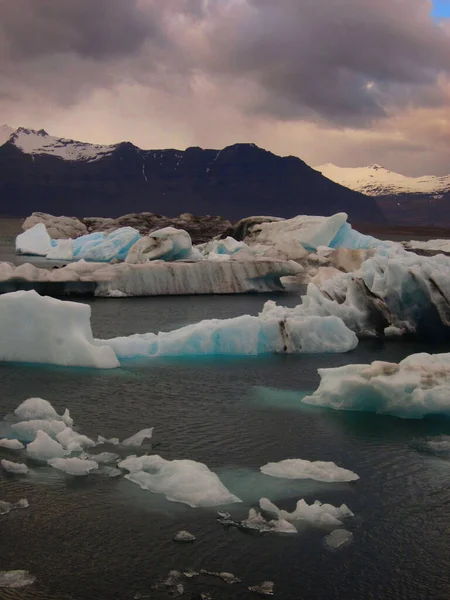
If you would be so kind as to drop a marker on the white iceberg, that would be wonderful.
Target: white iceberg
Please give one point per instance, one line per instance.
(13, 467)
(44, 448)
(27, 430)
(416, 387)
(16, 579)
(11, 444)
(102, 440)
(73, 441)
(34, 241)
(38, 408)
(185, 481)
(139, 437)
(7, 507)
(244, 335)
(73, 466)
(167, 244)
(318, 514)
(39, 329)
(338, 538)
(296, 468)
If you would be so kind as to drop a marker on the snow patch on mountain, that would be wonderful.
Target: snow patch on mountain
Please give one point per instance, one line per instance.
(375, 180)
(35, 142)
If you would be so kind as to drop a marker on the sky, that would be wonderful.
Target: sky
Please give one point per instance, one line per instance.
(352, 82)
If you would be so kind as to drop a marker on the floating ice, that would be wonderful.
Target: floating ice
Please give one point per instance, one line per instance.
(11, 444)
(44, 448)
(16, 579)
(338, 538)
(73, 441)
(244, 335)
(27, 430)
(184, 537)
(418, 386)
(103, 458)
(98, 247)
(321, 515)
(38, 408)
(13, 467)
(138, 438)
(296, 468)
(73, 466)
(6, 507)
(167, 244)
(265, 589)
(34, 241)
(183, 481)
(39, 329)
(102, 440)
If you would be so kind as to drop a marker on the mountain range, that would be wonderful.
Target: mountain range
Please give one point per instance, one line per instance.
(40, 172)
(403, 200)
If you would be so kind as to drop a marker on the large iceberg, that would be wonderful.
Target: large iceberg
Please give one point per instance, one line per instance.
(416, 387)
(98, 247)
(393, 293)
(164, 244)
(44, 448)
(244, 335)
(296, 468)
(38, 329)
(185, 481)
(34, 241)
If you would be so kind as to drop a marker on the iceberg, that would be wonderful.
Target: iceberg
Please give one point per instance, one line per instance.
(73, 441)
(38, 408)
(416, 387)
(244, 335)
(26, 430)
(185, 481)
(7, 507)
(37, 329)
(13, 467)
(16, 579)
(318, 514)
(44, 448)
(338, 538)
(11, 444)
(100, 247)
(167, 244)
(34, 241)
(73, 466)
(138, 438)
(296, 468)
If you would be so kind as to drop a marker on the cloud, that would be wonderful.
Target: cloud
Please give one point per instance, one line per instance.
(210, 70)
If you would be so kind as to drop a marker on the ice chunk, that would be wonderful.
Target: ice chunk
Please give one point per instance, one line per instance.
(34, 241)
(338, 538)
(73, 466)
(418, 386)
(347, 237)
(103, 458)
(16, 579)
(39, 329)
(321, 515)
(16, 468)
(265, 589)
(138, 438)
(183, 481)
(244, 335)
(61, 250)
(27, 430)
(44, 448)
(11, 444)
(102, 440)
(73, 441)
(6, 507)
(296, 468)
(38, 408)
(98, 247)
(184, 536)
(163, 244)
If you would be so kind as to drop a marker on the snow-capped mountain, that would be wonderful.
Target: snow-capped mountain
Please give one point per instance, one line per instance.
(40, 172)
(378, 181)
(40, 142)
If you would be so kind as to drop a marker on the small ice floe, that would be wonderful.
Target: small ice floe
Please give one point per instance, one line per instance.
(256, 522)
(13, 467)
(184, 536)
(44, 447)
(16, 579)
(338, 538)
(102, 440)
(265, 589)
(223, 575)
(137, 439)
(11, 444)
(6, 507)
(73, 466)
(296, 468)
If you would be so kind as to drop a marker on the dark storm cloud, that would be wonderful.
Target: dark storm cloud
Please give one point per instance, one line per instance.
(347, 62)
(90, 28)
